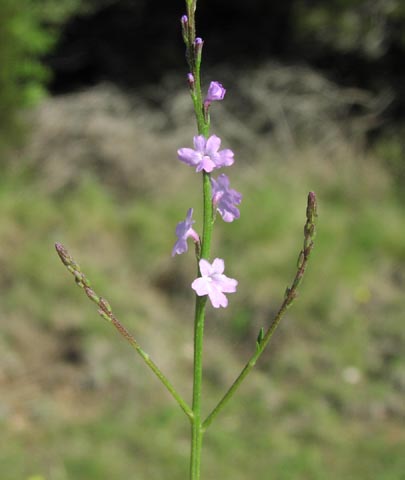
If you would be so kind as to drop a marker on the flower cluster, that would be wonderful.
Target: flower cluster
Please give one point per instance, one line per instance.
(206, 156)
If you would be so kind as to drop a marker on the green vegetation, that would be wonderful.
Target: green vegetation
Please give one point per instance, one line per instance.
(325, 402)
(28, 31)
(22, 76)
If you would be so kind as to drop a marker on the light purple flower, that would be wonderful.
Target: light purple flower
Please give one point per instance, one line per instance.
(215, 92)
(205, 155)
(214, 283)
(184, 230)
(225, 199)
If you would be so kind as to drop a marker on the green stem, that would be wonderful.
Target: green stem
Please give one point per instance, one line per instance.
(208, 217)
(196, 430)
(203, 129)
(196, 425)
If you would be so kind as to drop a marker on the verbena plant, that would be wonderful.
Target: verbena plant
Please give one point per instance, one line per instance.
(211, 282)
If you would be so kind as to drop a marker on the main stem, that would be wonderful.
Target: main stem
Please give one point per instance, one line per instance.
(196, 422)
(203, 129)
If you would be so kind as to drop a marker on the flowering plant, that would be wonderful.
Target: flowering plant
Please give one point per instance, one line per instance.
(211, 282)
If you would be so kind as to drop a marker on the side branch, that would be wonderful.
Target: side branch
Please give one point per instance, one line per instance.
(289, 297)
(105, 311)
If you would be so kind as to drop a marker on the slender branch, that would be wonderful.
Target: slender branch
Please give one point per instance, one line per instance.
(290, 295)
(105, 311)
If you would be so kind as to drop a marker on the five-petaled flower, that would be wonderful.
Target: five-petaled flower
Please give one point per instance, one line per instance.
(184, 230)
(225, 199)
(214, 283)
(215, 92)
(206, 154)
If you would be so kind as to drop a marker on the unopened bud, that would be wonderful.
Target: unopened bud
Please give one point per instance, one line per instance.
(312, 206)
(104, 315)
(92, 294)
(63, 254)
(184, 28)
(190, 79)
(198, 45)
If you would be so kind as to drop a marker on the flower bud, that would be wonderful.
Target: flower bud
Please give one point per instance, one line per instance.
(190, 79)
(184, 28)
(198, 44)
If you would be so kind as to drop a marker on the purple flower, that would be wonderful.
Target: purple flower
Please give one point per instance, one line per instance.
(205, 155)
(225, 199)
(215, 92)
(184, 230)
(214, 283)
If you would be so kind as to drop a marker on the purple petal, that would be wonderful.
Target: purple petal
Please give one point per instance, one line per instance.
(218, 299)
(205, 267)
(218, 266)
(213, 144)
(199, 285)
(206, 164)
(226, 284)
(189, 216)
(199, 143)
(223, 181)
(225, 158)
(181, 229)
(230, 214)
(180, 247)
(189, 156)
(215, 92)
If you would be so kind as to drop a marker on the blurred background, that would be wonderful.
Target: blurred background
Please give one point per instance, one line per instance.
(94, 105)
